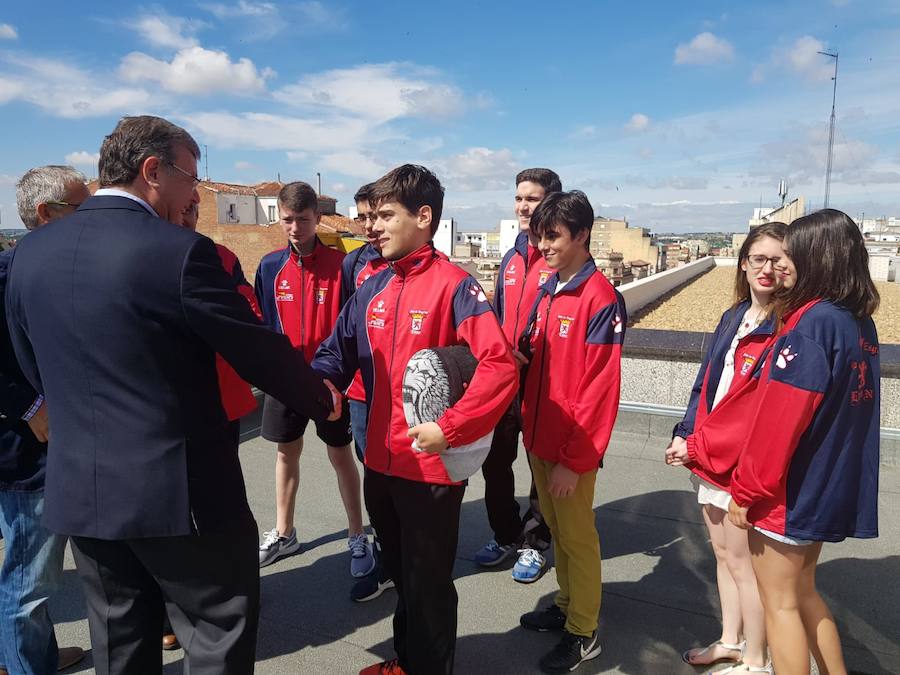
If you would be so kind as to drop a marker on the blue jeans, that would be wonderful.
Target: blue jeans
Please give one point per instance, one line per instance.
(32, 568)
(359, 415)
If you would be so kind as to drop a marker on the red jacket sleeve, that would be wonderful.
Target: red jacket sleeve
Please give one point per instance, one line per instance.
(798, 374)
(593, 412)
(495, 381)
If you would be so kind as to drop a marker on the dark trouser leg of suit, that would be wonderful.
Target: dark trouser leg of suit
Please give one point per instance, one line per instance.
(419, 525)
(499, 481)
(123, 603)
(211, 587)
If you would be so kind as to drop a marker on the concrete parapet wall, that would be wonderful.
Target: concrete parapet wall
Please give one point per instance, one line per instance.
(658, 372)
(641, 293)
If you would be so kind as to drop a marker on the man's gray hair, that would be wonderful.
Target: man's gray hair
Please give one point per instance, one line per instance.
(43, 184)
(135, 139)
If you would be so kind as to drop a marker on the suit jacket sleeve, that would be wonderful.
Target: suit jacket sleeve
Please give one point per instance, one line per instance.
(224, 320)
(20, 381)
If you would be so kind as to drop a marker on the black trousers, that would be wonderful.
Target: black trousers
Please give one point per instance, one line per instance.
(500, 489)
(418, 525)
(210, 586)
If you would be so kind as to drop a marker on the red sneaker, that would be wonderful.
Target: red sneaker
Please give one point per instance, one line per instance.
(391, 667)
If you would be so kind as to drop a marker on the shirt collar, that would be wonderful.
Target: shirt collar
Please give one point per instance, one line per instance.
(116, 192)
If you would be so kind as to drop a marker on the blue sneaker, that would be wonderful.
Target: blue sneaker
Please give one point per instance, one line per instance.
(492, 553)
(529, 567)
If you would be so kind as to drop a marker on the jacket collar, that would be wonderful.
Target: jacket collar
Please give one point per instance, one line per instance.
(414, 263)
(521, 247)
(102, 201)
(767, 327)
(580, 277)
(295, 254)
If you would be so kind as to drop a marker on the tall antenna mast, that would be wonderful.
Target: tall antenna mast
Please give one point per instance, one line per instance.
(206, 160)
(831, 128)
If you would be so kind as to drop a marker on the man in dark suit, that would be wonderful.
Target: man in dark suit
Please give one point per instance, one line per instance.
(116, 314)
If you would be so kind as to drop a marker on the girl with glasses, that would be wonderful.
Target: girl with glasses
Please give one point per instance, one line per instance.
(710, 437)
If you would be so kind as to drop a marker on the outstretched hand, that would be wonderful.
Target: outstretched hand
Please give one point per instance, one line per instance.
(337, 399)
(429, 437)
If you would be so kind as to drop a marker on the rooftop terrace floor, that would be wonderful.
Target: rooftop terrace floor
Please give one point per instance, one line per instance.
(698, 306)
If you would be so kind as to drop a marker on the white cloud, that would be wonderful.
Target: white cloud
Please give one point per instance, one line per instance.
(8, 32)
(638, 122)
(163, 30)
(263, 20)
(585, 131)
(803, 58)
(82, 158)
(64, 90)
(479, 169)
(241, 165)
(196, 70)
(243, 8)
(379, 92)
(353, 163)
(704, 49)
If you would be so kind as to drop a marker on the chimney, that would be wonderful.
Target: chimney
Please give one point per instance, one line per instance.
(318, 184)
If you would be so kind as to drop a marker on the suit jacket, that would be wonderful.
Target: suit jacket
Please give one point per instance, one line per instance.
(22, 456)
(116, 317)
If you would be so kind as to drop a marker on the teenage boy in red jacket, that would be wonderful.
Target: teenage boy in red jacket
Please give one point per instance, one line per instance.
(568, 415)
(299, 292)
(420, 301)
(522, 272)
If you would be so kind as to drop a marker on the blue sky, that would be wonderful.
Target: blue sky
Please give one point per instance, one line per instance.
(679, 115)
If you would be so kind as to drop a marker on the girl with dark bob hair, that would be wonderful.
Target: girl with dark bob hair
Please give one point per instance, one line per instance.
(709, 439)
(808, 471)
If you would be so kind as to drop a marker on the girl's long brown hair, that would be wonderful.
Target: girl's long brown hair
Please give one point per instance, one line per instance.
(832, 263)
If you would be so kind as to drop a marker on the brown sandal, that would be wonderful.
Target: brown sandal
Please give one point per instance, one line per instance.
(691, 655)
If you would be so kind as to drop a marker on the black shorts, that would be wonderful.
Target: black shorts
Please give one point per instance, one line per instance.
(280, 424)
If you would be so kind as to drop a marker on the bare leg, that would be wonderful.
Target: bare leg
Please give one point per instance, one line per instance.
(729, 598)
(824, 641)
(348, 485)
(740, 568)
(778, 568)
(287, 481)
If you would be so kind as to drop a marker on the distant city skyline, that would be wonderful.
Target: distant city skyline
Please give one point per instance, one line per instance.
(681, 118)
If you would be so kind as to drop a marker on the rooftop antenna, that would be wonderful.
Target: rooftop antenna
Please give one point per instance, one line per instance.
(206, 160)
(831, 128)
(318, 184)
(782, 191)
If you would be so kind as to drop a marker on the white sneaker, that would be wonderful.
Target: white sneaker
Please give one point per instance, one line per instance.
(275, 546)
(362, 560)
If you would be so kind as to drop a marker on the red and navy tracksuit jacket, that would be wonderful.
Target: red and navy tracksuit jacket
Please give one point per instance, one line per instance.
(300, 296)
(418, 302)
(715, 439)
(522, 272)
(237, 396)
(571, 393)
(358, 266)
(809, 467)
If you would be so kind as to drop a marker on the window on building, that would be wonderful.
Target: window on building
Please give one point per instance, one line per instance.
(272, 215)
(232, 213)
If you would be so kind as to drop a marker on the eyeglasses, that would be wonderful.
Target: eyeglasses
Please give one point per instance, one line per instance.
(195, 180)
(56, 203)
(362, 218)
(759, 261)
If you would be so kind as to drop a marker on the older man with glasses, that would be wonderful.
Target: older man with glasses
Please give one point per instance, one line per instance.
(33, 559)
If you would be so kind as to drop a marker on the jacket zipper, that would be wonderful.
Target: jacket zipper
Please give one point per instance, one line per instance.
(521, 295)
(537, 404)
(391, 371)
(302, 304)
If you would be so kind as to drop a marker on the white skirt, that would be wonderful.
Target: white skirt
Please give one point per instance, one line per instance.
(707, 493)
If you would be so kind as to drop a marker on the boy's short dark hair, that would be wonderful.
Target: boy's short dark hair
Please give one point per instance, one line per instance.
(544, 177)
(362, 195)
(570, 209)
(298, 196)
(413, 186)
